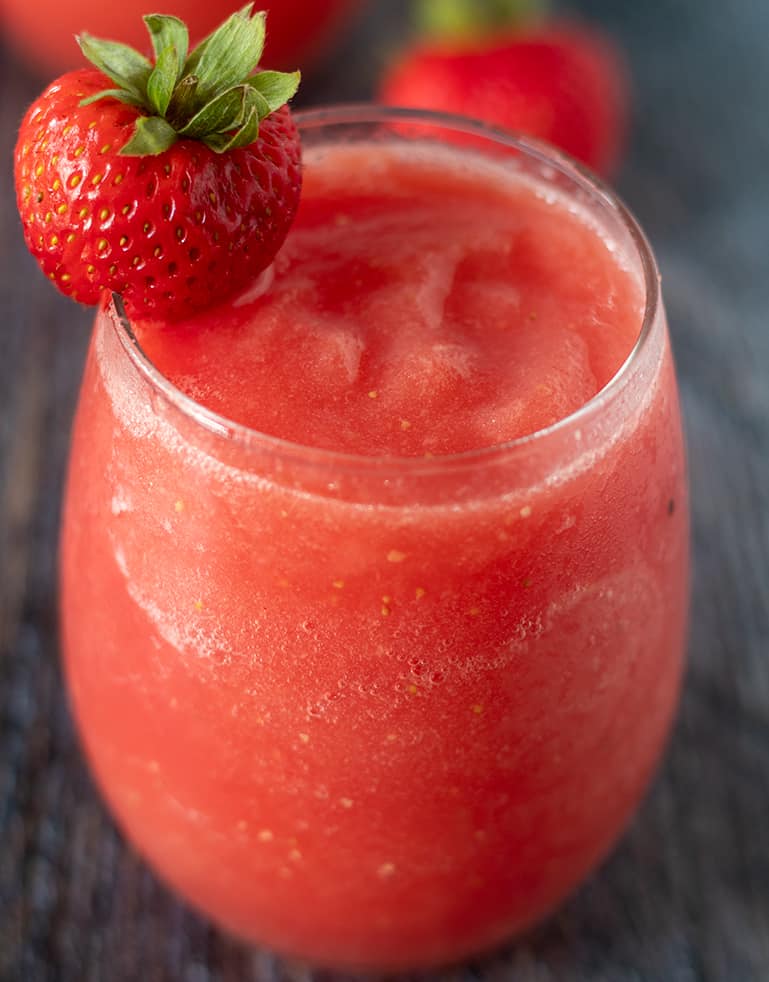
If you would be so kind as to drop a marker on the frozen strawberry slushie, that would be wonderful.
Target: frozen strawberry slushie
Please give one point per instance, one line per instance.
(375, 578)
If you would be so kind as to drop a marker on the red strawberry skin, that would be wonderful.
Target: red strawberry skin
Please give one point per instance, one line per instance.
(563, 83)
(171, 233)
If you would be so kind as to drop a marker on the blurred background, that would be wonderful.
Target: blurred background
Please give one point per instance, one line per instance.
(685, 898)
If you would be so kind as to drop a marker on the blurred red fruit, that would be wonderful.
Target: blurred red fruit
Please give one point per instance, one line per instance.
(43, 31)
(561, 82)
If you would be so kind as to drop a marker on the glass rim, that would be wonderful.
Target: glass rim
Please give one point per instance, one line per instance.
(369, 113)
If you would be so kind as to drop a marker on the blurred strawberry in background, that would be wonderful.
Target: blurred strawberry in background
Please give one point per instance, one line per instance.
(42, 30)
(509, 64)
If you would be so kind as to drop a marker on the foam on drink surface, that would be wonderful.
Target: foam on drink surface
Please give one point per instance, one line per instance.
(423, 303)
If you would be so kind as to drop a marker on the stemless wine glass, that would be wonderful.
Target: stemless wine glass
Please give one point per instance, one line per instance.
(378, 712)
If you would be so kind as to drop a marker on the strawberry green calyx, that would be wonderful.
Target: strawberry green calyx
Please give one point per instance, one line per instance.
(212, 94)
(458, 20)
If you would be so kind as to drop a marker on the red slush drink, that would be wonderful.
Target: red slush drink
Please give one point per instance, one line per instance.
(375, 580)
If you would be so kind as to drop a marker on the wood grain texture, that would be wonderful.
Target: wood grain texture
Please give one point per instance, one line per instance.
(685, 898)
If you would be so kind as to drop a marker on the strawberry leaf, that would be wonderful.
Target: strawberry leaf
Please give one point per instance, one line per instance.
(229, 55)
(152, 135)
(223, 113)
(126, 67)
(213, 94)
(119, 94)
(276, 87)
(162, 80)
(248, 132)
(257, 102)
(165, 30)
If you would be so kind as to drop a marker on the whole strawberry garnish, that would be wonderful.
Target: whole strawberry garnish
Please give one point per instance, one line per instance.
(561, 82)
(173, 182)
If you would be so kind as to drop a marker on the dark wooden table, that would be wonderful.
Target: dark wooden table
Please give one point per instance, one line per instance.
(685, 898)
